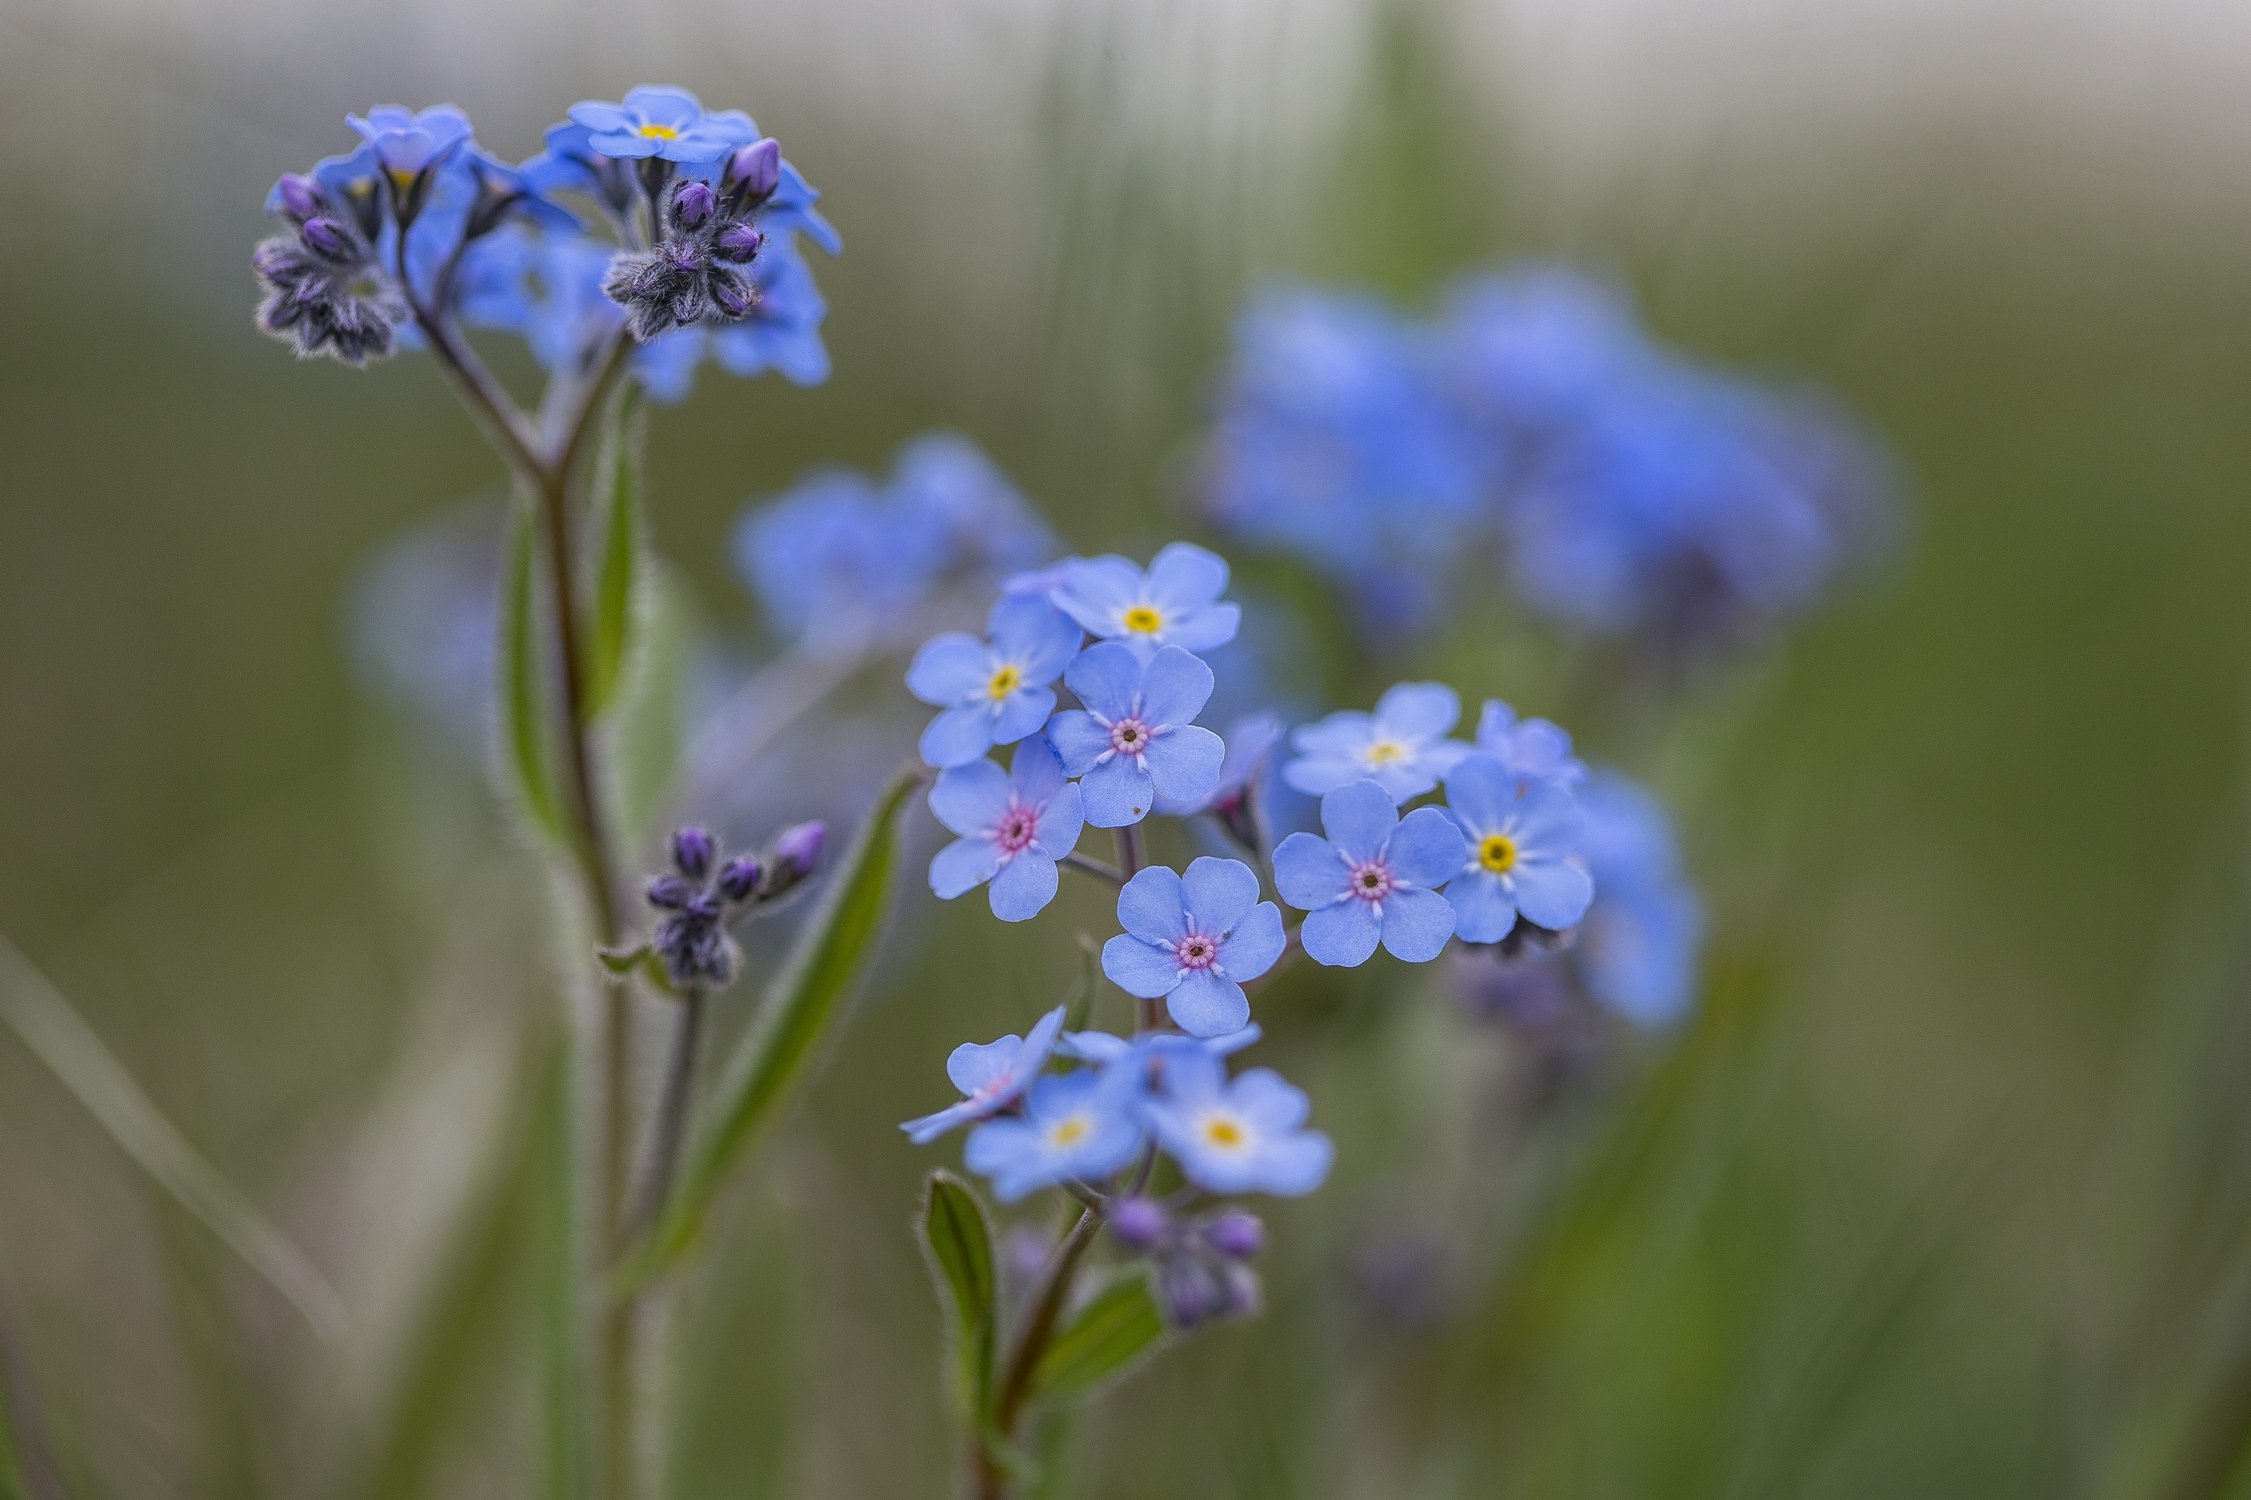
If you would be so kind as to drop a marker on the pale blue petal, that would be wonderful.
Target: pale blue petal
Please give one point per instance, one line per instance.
(1416, 925)
(1484, 911)
(1405, 780)
(1207, 1005)
(1184, 762)
(971, 799)
(1494, 723)
(1548, 821)
(1482, 793)
(1218, 893)
(1175, 686)
(962, 866)
(1140, 968)
(1105, 676)
(1056, 833)
(1297, 1166)
(1115, 793)
(1095, 590)
(1418, 710)
(1207, 629)
(1192, 1074)
(1184, 576)
(948, 669)
(1151, 906)
(675, 107)
(1270, 1101)
(1341, 935)
(1314, 776)
(1553, 892)
(957, 737)
(1359, 816)
(1257, 941)
(973, 1065)
(1035, 773)
(1309, 872)
(1426, 849)
(1049, 648)
(1340, 734)
(1077, 740)
(1023, 887)
(1022, 713)
(928, 1128)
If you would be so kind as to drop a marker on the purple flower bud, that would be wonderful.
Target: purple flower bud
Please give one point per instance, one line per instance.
(738, 878)
(298, 195)
(798, 850)
(756, 170)
(692, 203)
(325, 236)
(1138, 1223)
(672, 893)
(732, 296)
(1238, 1236)
(693, 852)
(739, 243)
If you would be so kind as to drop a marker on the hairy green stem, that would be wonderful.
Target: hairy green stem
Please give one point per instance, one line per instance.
(1048, 1302)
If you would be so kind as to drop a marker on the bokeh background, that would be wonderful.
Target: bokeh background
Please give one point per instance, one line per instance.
(1944, 1191)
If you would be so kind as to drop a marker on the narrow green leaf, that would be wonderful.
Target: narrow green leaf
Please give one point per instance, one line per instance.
(831, 952)
(39, 1014)
(523, 694)
(1115, 1330)
(617, 509)
(958, 1239)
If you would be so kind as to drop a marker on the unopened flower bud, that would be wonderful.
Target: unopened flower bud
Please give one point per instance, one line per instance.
(298, 195)
(756, 170)
(692, 204)
(672, 893)
(732, 296)
(1238, 1236)
(739, 243)
(738, 878)
(325, 236)
(797, 853)
(693, 852)
(1138, 1223)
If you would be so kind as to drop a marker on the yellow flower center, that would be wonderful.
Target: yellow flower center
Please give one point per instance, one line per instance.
(1386, 753)
(1497, 853)
(659, 133)
(1223, 1132)
(1005, 681)
(1143, 620)
(1068, 1131)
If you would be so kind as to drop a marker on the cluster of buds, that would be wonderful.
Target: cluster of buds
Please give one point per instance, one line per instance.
(698, 269)
(702, 895)
(325, 292)
(1202, 1265)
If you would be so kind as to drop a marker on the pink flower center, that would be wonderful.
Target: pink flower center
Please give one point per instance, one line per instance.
(1371, 881)
(1129, 736)
(1196, 951)
(1017, 826)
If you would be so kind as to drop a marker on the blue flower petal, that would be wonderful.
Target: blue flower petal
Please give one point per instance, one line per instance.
(971, 799)
(1218, 893)
(1341, 935)
(1257, 941)
(1270, 1101)
(957, 737)
(1359, 816)
(1416, 925)
(663, 105)
(1295, 1167)
(1184, 762)
(1140, 968)
(1548, 821)
(1022, 713)
(1175, 686)
(1115, 793)
(1426, 849)
(1553, 892)
(1204, 1004)
(1152, 906)
(1036, 774)
(1056, 833)
(1309, 872)
(1077, 740)
(1418, 710)
(1482, 794)
(929, 1127)
(1023, 887)
(948, 669)
(973, 1065)
(1207, 629)
(1106, 676)
(962, 866)
(1484, 911)
(1185, 576)
(1096, 591)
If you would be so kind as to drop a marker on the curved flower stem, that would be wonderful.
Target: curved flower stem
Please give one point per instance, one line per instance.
(671, 1125)
(1089, 866)
(1129, 851)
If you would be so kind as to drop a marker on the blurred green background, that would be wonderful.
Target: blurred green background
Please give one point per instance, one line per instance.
(1946, 1192)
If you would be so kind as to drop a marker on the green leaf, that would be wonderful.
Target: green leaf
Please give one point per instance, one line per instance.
(799, 1012)
(617, 508)
(958, 1239)
(39, 1014)
(1115, 1330)
(523, 694)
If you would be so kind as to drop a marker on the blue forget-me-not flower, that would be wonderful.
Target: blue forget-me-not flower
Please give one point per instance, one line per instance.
(670, 123)
(1244, 1136)
(994, 691)
(1639, 943)
(1402, 746)
(1191, 940)
(1523, 836)
(1013, 828)
(1373, 879)
(1534, 748)
(1075, 1127)
(1176, 602)
(1134, 737)
(991, 1076)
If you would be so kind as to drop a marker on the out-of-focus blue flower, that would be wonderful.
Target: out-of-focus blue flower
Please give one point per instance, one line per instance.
(1530, 348)
(1013, 829)
(1402, 746)
(994, 691)
(1640, 942)
(570, 164)
(1250, 746)
(1522, 837)
(421, 623)
(1372, 879)
(407, 144)
(976, 517)
(1247, 1136)
(1333, 443)
(1530, 748)
(1690, 506)
(1135, 737)
(670, 123)
(1106, 1050)
(991, 1077)
(1075, 1127)
(1191, 940)
(1175, 603)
